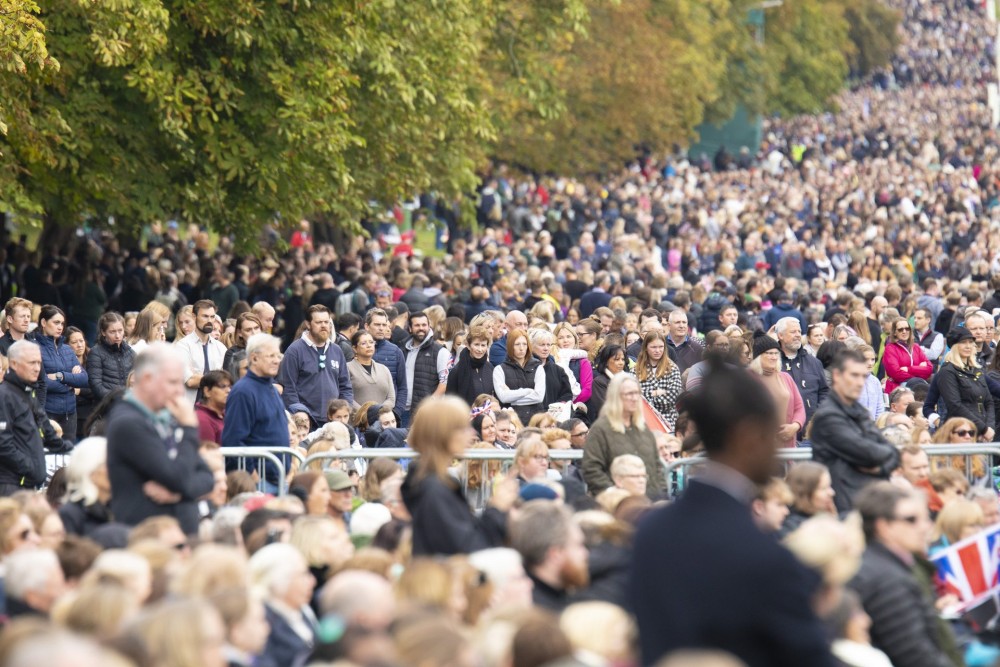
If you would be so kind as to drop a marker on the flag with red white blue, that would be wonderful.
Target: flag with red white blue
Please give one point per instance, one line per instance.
(970, 569)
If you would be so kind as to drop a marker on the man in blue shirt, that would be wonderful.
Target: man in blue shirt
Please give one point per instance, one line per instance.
(389, 355)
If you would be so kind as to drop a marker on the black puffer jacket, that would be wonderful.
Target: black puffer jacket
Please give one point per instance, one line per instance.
(903, 619)
(965, 394)
(108, 367)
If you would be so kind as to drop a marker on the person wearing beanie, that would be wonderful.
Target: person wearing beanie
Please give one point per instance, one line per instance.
(767, 364)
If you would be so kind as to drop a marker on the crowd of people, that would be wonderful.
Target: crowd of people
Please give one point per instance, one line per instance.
(838, 291)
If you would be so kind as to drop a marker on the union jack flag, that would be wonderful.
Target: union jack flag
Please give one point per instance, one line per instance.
(970, 569)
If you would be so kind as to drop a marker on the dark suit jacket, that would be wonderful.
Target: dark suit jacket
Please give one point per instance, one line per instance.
(704, 576)
(591, 301)
(284, 646)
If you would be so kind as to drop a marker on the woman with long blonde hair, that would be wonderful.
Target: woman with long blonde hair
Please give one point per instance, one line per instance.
(620, 429)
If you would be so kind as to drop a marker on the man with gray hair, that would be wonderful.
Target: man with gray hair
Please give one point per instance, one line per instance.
(554, 553)
(25, 430)
(33, 581)
(805, 369)
(504, 569)
(255, 413)
(360, 598)
(153, 461)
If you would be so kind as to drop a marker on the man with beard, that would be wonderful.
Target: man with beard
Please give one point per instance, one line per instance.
(805, 369)
(703, 575)
(554, 554)
(426, 364)
(716, 348)
(314, 371)
(202, 352)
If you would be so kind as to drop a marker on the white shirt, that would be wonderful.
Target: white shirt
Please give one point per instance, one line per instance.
(194, 358)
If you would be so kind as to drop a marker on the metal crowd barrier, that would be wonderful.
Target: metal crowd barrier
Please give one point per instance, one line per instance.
(805, 454)
(263, 455)
(477, 496)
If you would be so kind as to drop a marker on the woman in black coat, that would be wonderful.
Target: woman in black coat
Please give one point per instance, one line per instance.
(443, 523)
(472, 374)
(963, 387)
(111, 360)
(609, 362)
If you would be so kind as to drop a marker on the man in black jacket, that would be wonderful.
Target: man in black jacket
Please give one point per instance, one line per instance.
(844, 437)
(17, 313)
(805, 369)
(905, 624)
(153, 460)
(25, 430)
(725, 585)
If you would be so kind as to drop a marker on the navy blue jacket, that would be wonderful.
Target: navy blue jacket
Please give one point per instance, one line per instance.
(724, 585)
(255, 417)
(310, 384)
(389, 355)
(593, 300)
(284, 646)
(498, 351)
(57, 357)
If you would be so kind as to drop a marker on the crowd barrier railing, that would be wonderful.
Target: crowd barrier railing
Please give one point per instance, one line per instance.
(263, 455)
(805, 454)
(499, 459)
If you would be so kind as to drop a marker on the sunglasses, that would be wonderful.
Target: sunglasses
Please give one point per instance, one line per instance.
(898, 329)
(964, 433)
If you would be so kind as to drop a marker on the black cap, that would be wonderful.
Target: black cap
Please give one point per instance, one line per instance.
(957, 335)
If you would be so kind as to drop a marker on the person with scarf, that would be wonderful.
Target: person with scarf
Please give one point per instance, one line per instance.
(472, 374)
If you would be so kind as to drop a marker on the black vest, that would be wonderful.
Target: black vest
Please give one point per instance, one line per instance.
(425, 374)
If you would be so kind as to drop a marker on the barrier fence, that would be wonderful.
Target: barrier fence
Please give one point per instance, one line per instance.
(493, 462)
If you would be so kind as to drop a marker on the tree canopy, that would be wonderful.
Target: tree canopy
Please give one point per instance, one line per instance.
(232, 113)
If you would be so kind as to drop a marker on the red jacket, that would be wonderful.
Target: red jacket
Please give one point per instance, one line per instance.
(896, 357)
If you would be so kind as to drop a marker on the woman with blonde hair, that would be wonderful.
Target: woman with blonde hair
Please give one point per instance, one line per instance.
(184, 323)
(569, 355)
(620, 429)
(435, 316)
(433, 584)
(955, 522)
(659, 378)
(443, 523)
(99, 611)
(324, 544)
(149, 328)
(963, 385)
(16, 529)
(858, 322)
(186, 632)
(531, 460)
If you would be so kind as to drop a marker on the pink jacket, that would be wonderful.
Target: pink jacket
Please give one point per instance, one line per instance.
(896, 357)
(796, 408)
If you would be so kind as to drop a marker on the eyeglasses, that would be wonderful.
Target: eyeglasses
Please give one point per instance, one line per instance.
(964, 433)
(540, 457)
(580, 434)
